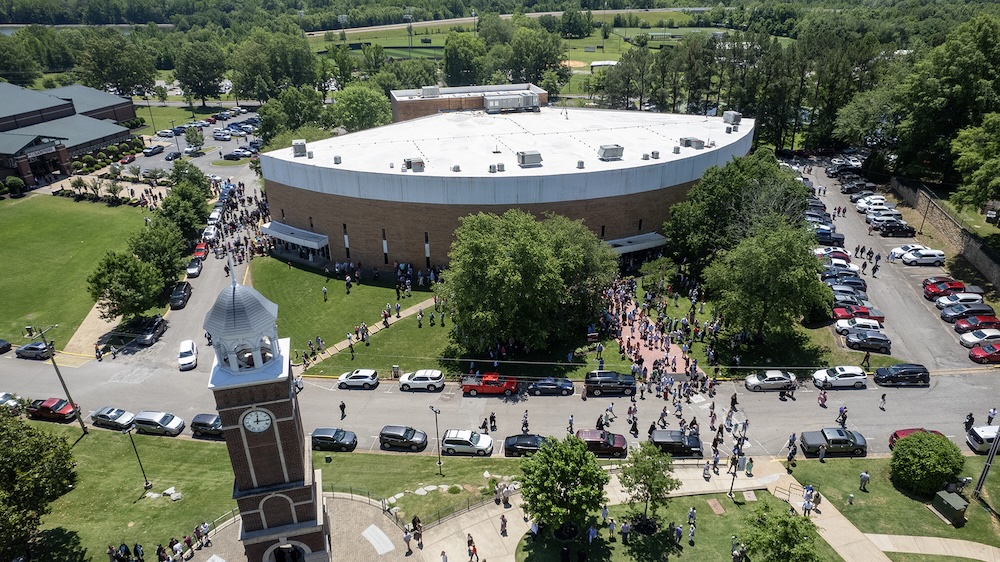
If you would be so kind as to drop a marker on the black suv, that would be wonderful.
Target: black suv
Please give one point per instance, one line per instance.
(152, 330)
(179, 297)
(402, 437)
(677, 443)
(903, 374)
(206, 425)
(609, 382)
(897, 229)
(827, 238)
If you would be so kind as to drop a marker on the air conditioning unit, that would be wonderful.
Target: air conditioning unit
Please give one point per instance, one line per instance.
(500, 167)
(298, 147)
(493, 168)
(430, 92)
(456, 168)
(310, 154)
(655, 154)
(415, 164)
(677, 150)
(729, 130)
(529, 158)
(645, 156)
(610, 152)
(732, 117)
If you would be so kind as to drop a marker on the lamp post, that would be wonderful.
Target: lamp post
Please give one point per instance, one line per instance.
(31, 332)
(475, 24)
(408, 17)
(147, 485)
(151, 120)
(176, 142)
(437, 431)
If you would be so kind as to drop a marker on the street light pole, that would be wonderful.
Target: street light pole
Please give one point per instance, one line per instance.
(151, 120)
(437, 431)
(147, 485)
(176, 142)
(31, 332)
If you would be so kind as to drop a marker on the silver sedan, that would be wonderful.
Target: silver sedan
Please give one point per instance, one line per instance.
(770, 380)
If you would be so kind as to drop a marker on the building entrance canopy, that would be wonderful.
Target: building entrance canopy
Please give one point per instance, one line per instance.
(294, 235)
(638, 242)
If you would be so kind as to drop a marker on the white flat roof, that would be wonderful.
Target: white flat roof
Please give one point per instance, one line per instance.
(473, 140)
(464, 91)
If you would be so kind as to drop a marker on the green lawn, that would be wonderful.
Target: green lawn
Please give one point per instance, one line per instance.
(712, 541)
(107, 506)
(51, 245)
(886, 510)
(910, 557)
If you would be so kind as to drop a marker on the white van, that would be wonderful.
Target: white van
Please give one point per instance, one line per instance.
(844, 326)
(215, 217)
(925, 256)
(981, 438)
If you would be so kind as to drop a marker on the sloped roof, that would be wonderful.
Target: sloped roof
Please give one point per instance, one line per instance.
(75, 129)
(240, 310)
(18, 100)
(86, 99)
(11, 143)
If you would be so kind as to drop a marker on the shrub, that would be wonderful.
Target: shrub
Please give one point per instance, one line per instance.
(76, 165)
(112, 151)
(15, 185)
(89, 160)
(102, 156)
(124, 147)
(925, 462)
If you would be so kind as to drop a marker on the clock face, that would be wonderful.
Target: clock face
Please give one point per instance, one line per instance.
(257, 421)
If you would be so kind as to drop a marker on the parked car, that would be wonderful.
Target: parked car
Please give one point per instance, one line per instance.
(152, 150)
(935, 291)
(201, 251)
(858, 312)
(194, 268)
(334, 439)
(981, 438)
(34, 350)
(865, 204)
(847, 376)
(604, 443)
(53, 409)
(841, 300)
(151, 331)
(112, 418)
(857, 191)
(936, 279)
(679, 444)
(837, 441)
(772, 379)
(210, 234)
(468, 442)
(172, 156)
(127, 159)
(424, 379)
(5, 346)
(848, 290)
(552, 386)
(187, 355)
(959, 311)
(359, 378)
(879, 219)
(901, 433)
(180, 295)
(989, 353)
(221, 136)
(402, 437)
(10, 402)
(165, 133)
(158, 423)
(206, 425)
(957, 298)
(828, 252)
(522, 445)
(897, 229)
(976, 323)
(869, 340)
(828, 238)
(841, 265)
(232, 156)
(599, 383)
(924, 257)
(849, 280)
(902, 374)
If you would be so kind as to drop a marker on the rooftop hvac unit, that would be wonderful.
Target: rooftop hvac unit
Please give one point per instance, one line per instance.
(415, 164)
(579, 164)
(337, 160)
(610, 152)
(529, 158)
(686, 141)
(697, 144)
(310, 154)
(677, 150)
(732, 117)
(500, 167)
(655, 154)
(298, 147)
(430, 92)
(456, 168)
(493, 168)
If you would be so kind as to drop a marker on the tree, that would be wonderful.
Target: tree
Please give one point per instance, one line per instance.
(923, 462)
(17, 66)
(562, 482)
(200, 66)
(112, 61)
(534, 51)
(194, 137)
(778, 536)
(185, 207)
(575, 24)
(160, 244)
(37, 469)
(977, 158)
(15, 185)
(186, 172)
(463, 59)
(123, 285)
(359, 106)
(114, 187)
(647, 476)
(768, 281)
(161, 94)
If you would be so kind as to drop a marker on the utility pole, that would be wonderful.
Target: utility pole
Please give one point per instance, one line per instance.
(30, 332)
(408, 18)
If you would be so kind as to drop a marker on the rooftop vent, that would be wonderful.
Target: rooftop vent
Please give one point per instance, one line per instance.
(310, 154)
(337, 160)
(645, 156)
(298, 147)
(677, 150)
(579, 164)
(500, 167)
(736, 128)
(493, 168)
(456, 168)
(529, 158)
(729, 130)
(655, 154)
(610, 152)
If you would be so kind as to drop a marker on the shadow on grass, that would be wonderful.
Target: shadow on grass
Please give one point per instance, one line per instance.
(549, 549)
(59, 544)
(657, 546)
(961, 269)
(781, 348)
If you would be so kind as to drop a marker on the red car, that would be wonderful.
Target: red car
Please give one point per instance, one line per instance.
(210, 120)
(973, 323)
(201, 251)
(936, 280)
(823, 253)
(55, 409)
(942, 289)
(844, 313)
(989, 353)
(901, 433)
(128, 159)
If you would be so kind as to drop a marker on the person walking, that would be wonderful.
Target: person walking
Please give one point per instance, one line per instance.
(692, 516)
(324, 293)
(990, 415)
(604, 514)
(866, 362)
(969, 422)
(733, 402)
(875, 270)
(611, 529)
(569, 428)
(407, 536)
(881, 403)
(864, 479)
(821, 399)
(864, 266)
(343, 410)
(503, 525)
(822, 453)
(749, 467)
(790, 459)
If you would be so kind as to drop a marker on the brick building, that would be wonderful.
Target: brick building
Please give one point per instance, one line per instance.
(410, 104)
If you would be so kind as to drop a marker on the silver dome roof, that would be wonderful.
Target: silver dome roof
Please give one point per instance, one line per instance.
(240, 310)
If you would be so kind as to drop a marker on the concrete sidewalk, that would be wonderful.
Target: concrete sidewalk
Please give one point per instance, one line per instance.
(936, 546)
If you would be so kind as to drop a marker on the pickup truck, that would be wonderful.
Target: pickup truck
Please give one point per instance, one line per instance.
(490, 383)
(55, 409)
(837, 441)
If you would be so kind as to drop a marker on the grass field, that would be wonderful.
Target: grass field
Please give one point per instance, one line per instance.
(107, 506)
(909, 557)
(712, 540)
(51, 245)
(886, 510)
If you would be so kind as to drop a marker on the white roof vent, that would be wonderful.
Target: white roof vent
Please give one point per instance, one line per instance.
(310, 154)
(677, 150)
(493, 168)
(298, 147)
(579, 164)
(655, 154)
(610, 152)
(645, 156)
(337, 160)
(500, 167)
(456, 168)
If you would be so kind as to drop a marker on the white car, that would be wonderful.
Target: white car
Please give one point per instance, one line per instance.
(925, 256)
(958, 298)
(847, 376)
(875, 207)
(10, 401)
(210, 234)
(424, 379)
(980, 337)
(359, 378)
(166, 133)
(187, 355)
(906, 248)
(456, 441)
(843, 326)
(863, 205)
(222, 136)
(836, 263)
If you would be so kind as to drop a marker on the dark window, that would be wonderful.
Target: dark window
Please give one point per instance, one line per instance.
(602, 231)
(345, 229)
(310, 222)
(282, 214)
(640, 225)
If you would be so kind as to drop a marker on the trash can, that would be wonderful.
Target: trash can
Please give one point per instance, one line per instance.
(741, 462)
(395, 371)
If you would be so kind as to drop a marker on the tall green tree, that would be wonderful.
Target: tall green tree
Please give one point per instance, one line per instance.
(124, 286)
(112, 61)
(160, 244)
(194, 137)
(463, 62)
(647, 477)
(200, 68)
(923, 462)
(360, 106)
(574, 24)
(185, 207)
(977, 152)
(562, 482)
(533, 52)
(774, 535)
(17, 65)
(37, 469)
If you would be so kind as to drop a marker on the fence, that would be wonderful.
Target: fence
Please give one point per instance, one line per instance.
(970, 246)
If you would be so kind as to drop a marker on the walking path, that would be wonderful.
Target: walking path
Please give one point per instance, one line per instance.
(936, 546)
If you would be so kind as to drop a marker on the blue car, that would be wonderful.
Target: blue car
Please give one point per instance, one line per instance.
(551, 386)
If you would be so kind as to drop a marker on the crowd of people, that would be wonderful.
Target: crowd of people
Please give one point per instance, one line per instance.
(175, 551)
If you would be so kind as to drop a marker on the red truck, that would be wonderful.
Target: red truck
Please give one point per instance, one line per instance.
(55, 409)
(490, 383)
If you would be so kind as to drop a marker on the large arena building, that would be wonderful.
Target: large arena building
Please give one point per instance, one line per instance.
(397, 193)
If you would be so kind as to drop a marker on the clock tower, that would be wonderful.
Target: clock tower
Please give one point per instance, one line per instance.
(279, 495)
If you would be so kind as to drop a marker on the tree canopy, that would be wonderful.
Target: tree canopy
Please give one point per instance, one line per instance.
(512, 277)
(200, 68)
(360, 106)
(647, 477)
(160, 244)
(923, 462)
(123, 285)
(562, 482)
(977, 153)
(775, 535)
